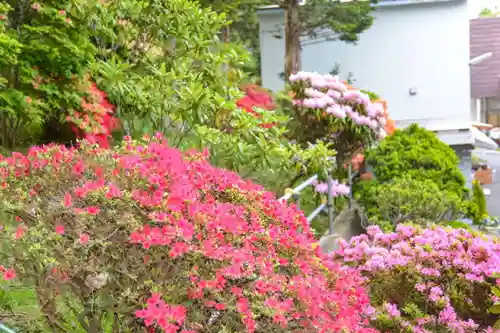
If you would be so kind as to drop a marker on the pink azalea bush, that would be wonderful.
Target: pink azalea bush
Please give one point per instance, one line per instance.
(161, 239)
(426, 280)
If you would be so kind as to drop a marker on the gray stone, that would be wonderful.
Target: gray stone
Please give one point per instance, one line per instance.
(351, 222)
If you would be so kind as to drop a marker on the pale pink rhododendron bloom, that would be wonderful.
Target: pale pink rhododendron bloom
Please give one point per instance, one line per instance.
(327, 92)
(338, 189)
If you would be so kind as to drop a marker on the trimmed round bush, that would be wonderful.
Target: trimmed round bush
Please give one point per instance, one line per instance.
(147, 236)
(417, 153)
(427, 279)
(406, 199)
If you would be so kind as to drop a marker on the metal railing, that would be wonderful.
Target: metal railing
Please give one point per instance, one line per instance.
(328, 205)
(5, 329)
(325, 205)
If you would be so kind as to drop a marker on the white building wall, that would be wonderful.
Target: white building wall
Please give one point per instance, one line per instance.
(473, 109)
(424, 47)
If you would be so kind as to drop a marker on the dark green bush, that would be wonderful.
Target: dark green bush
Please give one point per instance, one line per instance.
(420, 154)
(408, 199)
(418, 179)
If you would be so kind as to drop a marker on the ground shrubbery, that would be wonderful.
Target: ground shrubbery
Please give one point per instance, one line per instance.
(423, 171)
(420, 154)
(427, 280)
(147, 236)
(479, 211)
(406, 199)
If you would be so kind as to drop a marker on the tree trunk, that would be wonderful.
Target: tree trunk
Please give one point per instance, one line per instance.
(292, 38)
(226, 34)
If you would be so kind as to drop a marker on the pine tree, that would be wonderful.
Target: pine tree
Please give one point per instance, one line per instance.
(321, 20)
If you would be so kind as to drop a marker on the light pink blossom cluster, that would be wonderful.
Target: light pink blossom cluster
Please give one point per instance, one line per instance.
(338, 188)
(442, 271)
(339, 100)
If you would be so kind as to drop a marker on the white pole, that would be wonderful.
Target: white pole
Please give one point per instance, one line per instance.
(478, 110)
(481, 58)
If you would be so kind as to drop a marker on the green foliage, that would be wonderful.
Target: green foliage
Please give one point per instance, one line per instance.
(420, 175)
(185, 86)
(408, 199)
(495, 309)
(263, 154)
(243, 28)
(170, 71)
(457, 225)
(344, 20)
(418, 153)
(488, 13)
(44, 51)
(480, 212)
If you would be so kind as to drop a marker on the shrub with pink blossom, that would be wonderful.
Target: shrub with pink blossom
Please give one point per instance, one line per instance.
(156, 238)
(427, 279)
(328, 109)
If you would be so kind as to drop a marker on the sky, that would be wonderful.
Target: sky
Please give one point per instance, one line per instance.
(476, 5)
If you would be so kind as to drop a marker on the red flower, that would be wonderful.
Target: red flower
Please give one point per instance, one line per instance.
(9, 274)
(220, 306)
(101, 111)
(93, 210)
(20, 231)
(60, 229)
(84, 238)
(68, 200)
(256, 97)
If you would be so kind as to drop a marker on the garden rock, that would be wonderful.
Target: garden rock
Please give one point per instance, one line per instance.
(351, 222)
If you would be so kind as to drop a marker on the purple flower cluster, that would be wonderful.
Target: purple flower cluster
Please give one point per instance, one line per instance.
(329, 93)
(338, 189)
(438, 270)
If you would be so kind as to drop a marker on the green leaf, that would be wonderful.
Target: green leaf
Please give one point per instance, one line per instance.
(495, 309)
